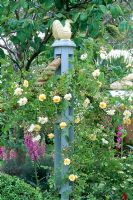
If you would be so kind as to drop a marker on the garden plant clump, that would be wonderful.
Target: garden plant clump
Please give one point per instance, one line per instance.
(13, 188)
(33, 96)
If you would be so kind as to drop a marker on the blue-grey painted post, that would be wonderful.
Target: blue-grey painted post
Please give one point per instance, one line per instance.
(64, 50)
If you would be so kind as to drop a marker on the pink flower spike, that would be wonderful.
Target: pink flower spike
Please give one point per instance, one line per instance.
(34, 148)
(12, 154)
(119, 134)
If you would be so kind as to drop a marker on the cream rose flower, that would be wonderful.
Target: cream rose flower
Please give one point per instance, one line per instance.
(37, 138)
(63, 125)
(42, 120)
(50, 135)
(102, 105)
(26, 83)
(72, 177)
(42, 97)
(37, 128)
(127, 114)
(22, 101)
(68, 97)
(86, 103)
(67, 161)
(83, 56)
(110, 112)
(56, 99)
(34, 127)
(77, 120)
(18, 91)
(104, 141)
(31, 128)
(92, 137)
(96, 73)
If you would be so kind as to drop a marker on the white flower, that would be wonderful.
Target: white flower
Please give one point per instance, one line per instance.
(22, 101)
(42, 120)
(96, 73)
(37, 138)
(31, 128)
(104, 141)
(120, 172)
(110, 112)
(83, 56)
(130, 99)
(117, 53)
(86, 102)
(18, 91)
(103, 53)
(114, 188)
(68, 97)
(127, 113)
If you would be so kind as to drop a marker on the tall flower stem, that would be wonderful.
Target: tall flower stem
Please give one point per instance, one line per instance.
(35, 169)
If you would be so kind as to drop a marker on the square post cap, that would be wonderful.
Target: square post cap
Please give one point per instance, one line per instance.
(63, 43)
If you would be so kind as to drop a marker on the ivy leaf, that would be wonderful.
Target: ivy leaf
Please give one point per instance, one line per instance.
(123, 26)
(103, 8)
(116, 11)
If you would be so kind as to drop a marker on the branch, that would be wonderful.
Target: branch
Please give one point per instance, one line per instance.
(36, 53)
(10, 52)
(67, 5)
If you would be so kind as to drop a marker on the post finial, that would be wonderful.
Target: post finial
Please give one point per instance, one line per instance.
(60, 31)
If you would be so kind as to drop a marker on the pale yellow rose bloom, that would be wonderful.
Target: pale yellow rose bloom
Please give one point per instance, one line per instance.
(26, 83)
(67, 161)
(72, 177)
(42, 97)
(56, 99)
(77, 120)
(37, 127)
(92, 137)
(103, 105)
(127, 121)
(63, 125)
(50, 135)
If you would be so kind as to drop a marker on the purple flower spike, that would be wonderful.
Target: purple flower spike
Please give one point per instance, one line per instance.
(34, 148)
(119, 134)
(12, 154)
(120, 127)
(119, 140)
(118, 146)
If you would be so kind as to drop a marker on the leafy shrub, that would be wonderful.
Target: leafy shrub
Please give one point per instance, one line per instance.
(16, 189)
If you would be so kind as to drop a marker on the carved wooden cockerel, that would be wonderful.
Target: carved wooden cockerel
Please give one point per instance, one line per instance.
(60, 31)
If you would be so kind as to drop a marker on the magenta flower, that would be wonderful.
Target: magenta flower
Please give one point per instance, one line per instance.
(118, 145)
(12, 154)
(5, 154)
(119, 134)
(119, 140)
(34, 148)
(120, 127)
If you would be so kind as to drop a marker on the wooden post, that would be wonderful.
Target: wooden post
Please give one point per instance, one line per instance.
(63, 49)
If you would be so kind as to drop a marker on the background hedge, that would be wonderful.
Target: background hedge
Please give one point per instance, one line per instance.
(12, 188)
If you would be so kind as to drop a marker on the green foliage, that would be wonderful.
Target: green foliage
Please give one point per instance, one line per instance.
(13, 188)
(102, 171)
(21, 22)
